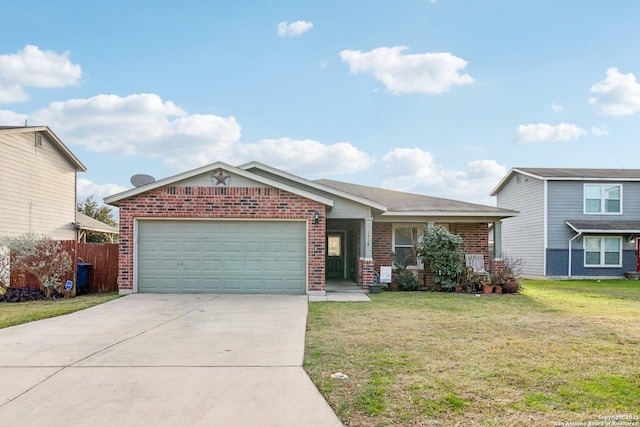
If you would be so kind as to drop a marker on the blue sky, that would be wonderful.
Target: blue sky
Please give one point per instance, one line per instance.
(438, 97)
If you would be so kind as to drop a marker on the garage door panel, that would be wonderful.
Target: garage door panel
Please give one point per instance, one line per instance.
(221, 256)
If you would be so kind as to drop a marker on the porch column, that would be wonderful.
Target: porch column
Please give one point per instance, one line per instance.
(366, 272)
(367, 247)
(497, 239)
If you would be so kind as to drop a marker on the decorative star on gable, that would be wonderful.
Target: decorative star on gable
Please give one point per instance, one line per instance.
(219, 179)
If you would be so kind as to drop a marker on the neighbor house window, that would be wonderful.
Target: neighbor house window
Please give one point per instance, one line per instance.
(405, 241)
(603, 251)
(603, 198)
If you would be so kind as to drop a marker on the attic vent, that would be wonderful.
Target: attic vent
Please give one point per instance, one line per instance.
(38, 140)
(518, 178)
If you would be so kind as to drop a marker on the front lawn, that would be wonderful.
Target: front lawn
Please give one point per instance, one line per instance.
(561, 352)
(12, 314)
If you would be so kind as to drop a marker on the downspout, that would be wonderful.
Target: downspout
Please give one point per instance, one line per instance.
(571, 240)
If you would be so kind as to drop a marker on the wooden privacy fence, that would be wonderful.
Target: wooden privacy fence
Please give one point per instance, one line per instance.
(104, 271)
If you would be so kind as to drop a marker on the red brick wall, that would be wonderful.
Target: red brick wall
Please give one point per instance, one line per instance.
(219, 202)
(475, 238)
(365, 272)
(382, 239)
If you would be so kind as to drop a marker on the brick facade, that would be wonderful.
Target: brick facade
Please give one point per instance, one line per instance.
(365, 272)
(382, 241)
(475, 238)
(222, 202)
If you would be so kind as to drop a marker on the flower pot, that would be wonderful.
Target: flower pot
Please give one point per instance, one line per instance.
(457, 289)
(374, 289)
(511, 287)
(497, 289)
(393, 286)
(633, 275)
(487, 288)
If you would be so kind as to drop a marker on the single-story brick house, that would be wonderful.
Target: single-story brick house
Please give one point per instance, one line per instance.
(257, 229)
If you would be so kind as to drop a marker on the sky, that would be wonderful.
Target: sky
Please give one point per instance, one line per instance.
(436, 97)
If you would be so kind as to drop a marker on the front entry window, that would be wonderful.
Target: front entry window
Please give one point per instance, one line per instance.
(334, 246)
(335, 259)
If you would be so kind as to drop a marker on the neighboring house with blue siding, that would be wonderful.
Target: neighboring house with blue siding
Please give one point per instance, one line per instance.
(571, 222)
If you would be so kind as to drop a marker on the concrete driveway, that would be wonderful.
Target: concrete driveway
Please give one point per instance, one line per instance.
(163, 360)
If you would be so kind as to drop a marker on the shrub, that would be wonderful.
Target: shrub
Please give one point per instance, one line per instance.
(407, 280)
(27, 294)
(442, 255)
(41, 256)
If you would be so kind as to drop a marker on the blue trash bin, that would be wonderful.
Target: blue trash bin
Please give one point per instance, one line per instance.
(82, 276)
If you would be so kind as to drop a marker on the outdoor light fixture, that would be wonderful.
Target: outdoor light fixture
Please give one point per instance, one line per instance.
(316, 217)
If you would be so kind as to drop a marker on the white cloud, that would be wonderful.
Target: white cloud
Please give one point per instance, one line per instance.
(601, 131)
(417, 73)
(542, 132)
(11, 93)
(32, 67)
(415, 170)
(307, 157)
(297, 28)
(9, 118)
(87, 188)
(143, 125)
(617, 95)
(556, 107)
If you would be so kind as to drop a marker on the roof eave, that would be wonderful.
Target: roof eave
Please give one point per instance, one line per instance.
(502, 214)
(601, 231)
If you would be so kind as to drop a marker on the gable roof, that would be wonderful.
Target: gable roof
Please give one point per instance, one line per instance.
(317, 185)
(52, 137)
(115, 198)
(571, 174)
(399, 203)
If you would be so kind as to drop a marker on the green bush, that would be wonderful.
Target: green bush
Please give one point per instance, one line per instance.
(442, 255)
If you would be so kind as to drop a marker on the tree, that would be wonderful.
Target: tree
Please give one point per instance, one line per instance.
(100, 212)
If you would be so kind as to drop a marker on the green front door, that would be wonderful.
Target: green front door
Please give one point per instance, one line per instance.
(335, 255)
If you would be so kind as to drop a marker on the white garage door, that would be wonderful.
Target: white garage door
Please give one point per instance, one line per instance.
(183, 256)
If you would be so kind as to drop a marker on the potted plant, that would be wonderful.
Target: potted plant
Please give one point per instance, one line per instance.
(506, 278)
(487, 284)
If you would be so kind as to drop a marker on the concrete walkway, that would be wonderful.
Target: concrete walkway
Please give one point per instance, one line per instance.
(163, 360)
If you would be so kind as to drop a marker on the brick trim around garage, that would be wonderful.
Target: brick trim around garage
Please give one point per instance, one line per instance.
(222, 203)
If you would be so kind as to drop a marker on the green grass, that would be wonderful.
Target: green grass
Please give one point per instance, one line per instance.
(562, 351)
(12, 314)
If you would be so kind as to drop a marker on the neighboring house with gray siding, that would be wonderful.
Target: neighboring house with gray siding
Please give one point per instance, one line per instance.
(38, 181)
(571, 222)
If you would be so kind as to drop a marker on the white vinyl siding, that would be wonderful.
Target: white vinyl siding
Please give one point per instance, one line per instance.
(602, 198)
(602, 251)
(38, 188)
(523, 235)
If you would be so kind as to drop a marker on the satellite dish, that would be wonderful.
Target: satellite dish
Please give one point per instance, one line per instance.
(142, 179)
